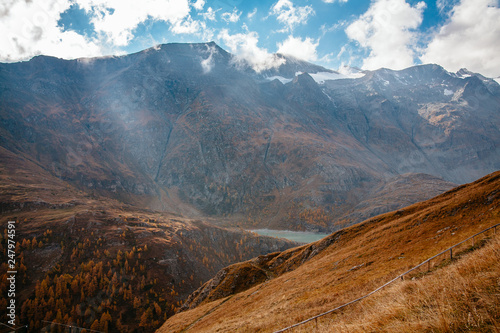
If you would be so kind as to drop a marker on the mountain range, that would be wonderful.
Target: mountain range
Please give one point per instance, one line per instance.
(134, 178)
(189, 129)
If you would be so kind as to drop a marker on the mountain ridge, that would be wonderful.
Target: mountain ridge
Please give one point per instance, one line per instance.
(183, 125)
(154, 162)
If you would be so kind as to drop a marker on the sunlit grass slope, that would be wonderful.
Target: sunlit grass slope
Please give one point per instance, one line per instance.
(314, 278)
(461, 297)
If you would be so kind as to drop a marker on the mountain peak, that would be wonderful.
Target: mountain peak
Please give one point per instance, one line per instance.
(304, 78)
(188, 47)
(464, 72)
(291, 66)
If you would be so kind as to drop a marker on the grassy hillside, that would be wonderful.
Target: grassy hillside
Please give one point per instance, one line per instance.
(314, 278)
(463, 297)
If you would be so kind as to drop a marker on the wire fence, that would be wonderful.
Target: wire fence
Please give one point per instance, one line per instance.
(66, 328)
(71, 329)
(50, 327)
(399, 277)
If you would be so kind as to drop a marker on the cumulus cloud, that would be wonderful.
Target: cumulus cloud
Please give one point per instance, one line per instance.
(187, 26)
(246, 51)
(234, 16)
(387, 30)
(117, 19)
(30, 28)
(470, 39)
(289, 15)
(299, 48)
(210, 14)
(198, 5)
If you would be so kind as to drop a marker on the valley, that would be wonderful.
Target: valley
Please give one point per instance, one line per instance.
(101, 264)
(135, 182)
(305, 281)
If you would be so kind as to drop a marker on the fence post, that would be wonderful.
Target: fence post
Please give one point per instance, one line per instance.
(428, 265)
(451, 254)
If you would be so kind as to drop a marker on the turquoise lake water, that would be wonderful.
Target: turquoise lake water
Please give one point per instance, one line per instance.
(297, 236)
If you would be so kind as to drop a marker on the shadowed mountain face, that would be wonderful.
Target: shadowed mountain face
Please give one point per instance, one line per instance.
(183, 127)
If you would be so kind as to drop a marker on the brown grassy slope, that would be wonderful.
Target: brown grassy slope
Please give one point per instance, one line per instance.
(346, 264)
(464, 297)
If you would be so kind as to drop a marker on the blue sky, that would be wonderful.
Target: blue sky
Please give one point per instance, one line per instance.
(362, 33)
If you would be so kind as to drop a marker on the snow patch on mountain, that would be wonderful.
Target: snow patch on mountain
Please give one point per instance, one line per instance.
(448, 92)
(321, 77)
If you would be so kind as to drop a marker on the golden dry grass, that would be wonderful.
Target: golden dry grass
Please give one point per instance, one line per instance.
(362, 258)
(462, 297)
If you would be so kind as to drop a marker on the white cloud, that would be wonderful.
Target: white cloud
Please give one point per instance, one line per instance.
(299, 48)
(350, 72)
(289, 15)
(207, 33)
(387, 29)
(117, 19)
(341, 52)
(210, 14)
(470, 39)
(441, 4)
(198, 5)
(30, 28)
(346, 57)
(252, 13)
(234, 16)
(334, 27)
(246, 51)
(187, 26)
(327, 60)
(208, 63)
(445, 5)
(332, 1)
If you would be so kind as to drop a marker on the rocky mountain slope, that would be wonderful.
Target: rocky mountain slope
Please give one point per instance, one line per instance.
(185, 128)
(277, 290)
